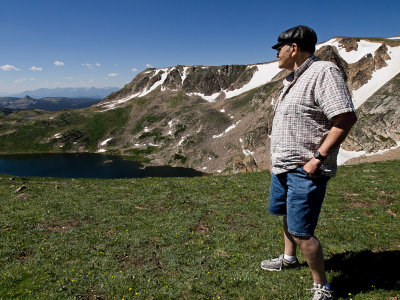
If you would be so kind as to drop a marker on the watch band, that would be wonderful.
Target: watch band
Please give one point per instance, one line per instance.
(319, 156)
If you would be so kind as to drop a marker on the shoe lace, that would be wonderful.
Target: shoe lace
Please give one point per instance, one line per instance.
(320, 293)
(278, 260)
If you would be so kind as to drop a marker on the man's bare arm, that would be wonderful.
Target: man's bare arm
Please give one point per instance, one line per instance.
(340, 129)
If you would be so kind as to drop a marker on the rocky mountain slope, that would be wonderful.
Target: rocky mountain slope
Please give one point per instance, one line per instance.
(217, 119)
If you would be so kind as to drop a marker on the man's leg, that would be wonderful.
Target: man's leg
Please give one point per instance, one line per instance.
(312, 251)
(290, 243)
(305, 197)
(277, 206)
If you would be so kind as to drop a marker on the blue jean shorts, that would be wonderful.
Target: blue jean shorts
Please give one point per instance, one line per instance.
(298, 197)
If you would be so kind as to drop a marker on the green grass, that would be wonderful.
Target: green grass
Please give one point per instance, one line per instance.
(178, 100)
(99, 125)
(191, 238)
(241, 101)
(27, 136)
(139, 155)
(36, 134)
(147, 120)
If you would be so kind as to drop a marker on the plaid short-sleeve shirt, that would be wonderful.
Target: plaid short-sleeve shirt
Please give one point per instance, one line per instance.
(303, 115)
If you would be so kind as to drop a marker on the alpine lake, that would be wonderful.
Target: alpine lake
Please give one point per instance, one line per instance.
(84, 165)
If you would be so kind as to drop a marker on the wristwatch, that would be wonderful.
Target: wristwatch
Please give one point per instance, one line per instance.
(319, 156)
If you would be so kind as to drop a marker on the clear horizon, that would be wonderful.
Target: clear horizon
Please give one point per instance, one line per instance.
(50, 44)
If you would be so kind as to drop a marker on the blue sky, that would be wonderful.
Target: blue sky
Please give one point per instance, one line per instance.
(84, 43)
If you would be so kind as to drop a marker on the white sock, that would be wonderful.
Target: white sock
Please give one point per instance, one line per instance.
(289, 258)
(327, 285)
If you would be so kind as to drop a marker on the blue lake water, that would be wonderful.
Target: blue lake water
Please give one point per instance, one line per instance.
(84, 165)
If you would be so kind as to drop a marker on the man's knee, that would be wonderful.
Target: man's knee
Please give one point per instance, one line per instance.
(304, 240)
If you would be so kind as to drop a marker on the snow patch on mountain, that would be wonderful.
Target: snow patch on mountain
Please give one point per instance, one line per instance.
(184, 73)
(233, 126)
(105, 142)
(157, 84)
(113, 104)
(263, 75)
(210, 98)
(379, 77)
(246, 152)
(364, 48)
(345, 155)
(182, 140)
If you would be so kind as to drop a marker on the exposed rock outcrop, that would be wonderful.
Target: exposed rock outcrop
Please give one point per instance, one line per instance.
(348, 43)
(330, 53)
(248, 164)
(381, 56)
(378, 126)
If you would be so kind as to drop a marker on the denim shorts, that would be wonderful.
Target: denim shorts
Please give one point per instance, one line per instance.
(298, 197)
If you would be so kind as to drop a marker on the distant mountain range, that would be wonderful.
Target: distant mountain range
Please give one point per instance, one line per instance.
(47, 103)
(79, 92)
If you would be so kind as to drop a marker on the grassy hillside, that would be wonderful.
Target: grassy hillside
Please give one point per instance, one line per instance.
(193, 238)
(163, 128)
(80, 130)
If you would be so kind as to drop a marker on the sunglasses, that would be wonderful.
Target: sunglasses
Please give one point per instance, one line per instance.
(281, 47)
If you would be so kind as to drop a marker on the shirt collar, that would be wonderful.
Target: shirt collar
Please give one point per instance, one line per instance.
(296, 74)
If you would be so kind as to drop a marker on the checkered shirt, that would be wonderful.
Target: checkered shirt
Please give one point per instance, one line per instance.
(303, 115)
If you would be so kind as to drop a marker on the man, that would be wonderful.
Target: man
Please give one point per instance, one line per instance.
(312, 116)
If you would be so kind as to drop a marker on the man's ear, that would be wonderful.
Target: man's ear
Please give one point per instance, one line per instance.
(295, 50)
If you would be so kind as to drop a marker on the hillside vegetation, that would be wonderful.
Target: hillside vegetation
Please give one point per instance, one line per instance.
(191, 238)
(65, 131)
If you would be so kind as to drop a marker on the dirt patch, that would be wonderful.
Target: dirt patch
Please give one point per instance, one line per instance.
(23, 196)
(59, 226)
(140, 207)
(22, 255)
(129, 262)
(390, 212)
(387, 197)
(110, 233)
(160, 208)
(91, 295)
(360, 204)
(201, 227)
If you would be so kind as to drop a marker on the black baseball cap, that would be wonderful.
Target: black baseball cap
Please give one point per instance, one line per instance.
(301, 35)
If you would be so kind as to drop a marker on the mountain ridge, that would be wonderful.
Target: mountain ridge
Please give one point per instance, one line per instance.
(47, 103)
(69, 92)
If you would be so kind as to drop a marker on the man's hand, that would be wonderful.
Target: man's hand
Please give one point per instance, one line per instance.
(312, 167)
(340, 129)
